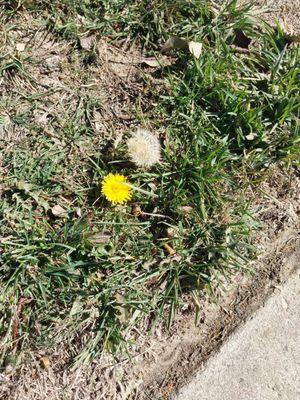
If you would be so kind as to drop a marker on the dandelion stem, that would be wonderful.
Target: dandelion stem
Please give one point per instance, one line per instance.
(140, 190)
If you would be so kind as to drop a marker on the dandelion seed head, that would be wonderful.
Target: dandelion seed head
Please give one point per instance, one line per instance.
(143, 148)
(116, 189)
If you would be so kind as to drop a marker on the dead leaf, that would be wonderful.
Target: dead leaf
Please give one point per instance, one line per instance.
(86, 42)
(15, 326)
(20, 46)
(76, 307)
(59, 211)
(152, 62)
(175, 43)
(195, 48)
(157, 62)
(45, 363)
(102, 237)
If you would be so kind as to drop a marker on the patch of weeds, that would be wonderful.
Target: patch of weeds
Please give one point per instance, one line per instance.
(91, 271)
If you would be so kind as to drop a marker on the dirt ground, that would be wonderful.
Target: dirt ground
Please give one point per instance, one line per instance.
(162, 360)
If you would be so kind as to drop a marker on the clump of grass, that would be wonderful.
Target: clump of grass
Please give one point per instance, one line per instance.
(99, 270)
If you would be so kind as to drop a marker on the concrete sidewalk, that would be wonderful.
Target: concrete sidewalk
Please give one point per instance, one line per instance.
(261, 361)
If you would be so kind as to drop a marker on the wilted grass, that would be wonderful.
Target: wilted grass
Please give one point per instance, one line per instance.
(99, 270)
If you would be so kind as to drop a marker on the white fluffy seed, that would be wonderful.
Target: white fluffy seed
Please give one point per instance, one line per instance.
(143, 148)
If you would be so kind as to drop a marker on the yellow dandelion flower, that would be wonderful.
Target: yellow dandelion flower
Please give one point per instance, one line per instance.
(116, 188)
